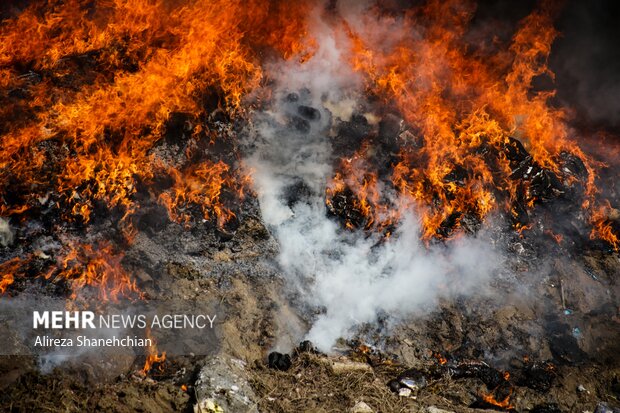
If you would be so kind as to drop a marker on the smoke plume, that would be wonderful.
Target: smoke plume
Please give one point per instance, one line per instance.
(351, 277)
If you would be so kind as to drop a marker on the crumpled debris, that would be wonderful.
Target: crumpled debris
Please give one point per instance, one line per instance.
(279, 361)
(408, 382)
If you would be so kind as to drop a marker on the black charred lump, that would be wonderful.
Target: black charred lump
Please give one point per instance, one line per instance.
(573, 166)
(153, 220)
(478, 370)
(545, 185)
(297, 192)
(515, 151)
(356, 129)
(538, 376)
(458, 175)
(305, 346)
(279, 361)
(292, 97)
(308, 112)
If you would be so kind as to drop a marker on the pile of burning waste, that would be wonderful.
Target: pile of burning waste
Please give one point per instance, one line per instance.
(389, 182)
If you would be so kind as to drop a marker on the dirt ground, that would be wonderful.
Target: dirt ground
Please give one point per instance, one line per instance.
(509, 331)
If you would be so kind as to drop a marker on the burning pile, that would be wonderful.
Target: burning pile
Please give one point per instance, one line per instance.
(120, 117)
(91, 90)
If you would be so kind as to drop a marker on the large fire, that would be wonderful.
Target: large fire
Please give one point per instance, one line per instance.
(90, 88)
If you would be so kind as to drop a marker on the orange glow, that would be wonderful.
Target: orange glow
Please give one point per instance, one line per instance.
(504, 404)
(8, 271)
(602, 227)
(98, 82)
(89, 90)
(463, 99)
(440, 359)
(202, 186)
(94, 266)
(153, 355)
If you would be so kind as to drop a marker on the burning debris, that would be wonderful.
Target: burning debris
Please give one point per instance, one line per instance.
(331, 171)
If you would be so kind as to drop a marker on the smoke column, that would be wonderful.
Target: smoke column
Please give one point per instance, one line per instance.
(351, 276)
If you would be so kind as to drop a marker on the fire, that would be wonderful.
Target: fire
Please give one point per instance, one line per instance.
(8, 270)
(503, 404)
(88, 89)
(94, 266)
(440, 359)
(153, 356)
(202, 186)
(355, 176)
(462, 101)
(557, 237)
(602, 227)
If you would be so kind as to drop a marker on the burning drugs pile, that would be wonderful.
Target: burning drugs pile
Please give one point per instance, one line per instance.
(335, 170)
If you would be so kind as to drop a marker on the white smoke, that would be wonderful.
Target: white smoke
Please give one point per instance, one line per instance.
(351, 276)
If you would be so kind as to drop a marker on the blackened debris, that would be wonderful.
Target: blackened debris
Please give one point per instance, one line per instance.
(572, 165)
(538, 376)
(490, 376)
(297, 192)
(458, 175)
(308, 112)
(546, 408)
(545, 185)
(292, 97)
(153, 220)
(343, 206)
(389, 129)
(279, 361)
(305, 346)
(351, 134)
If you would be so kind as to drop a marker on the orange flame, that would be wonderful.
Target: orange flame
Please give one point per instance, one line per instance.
(440, 359)
(87, 91)
(99, 267)
(8, 270)
(153, 355)
(460, 98)
(504, 404)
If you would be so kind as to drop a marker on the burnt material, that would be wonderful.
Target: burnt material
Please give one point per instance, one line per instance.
(343, 205)
(279, 361)
(297, 192)
(546, 408)
(538, 376)
(308, 112)
(491, 377)
(305, 346)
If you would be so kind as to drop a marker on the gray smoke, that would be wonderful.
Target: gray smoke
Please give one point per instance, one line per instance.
(350, 276)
